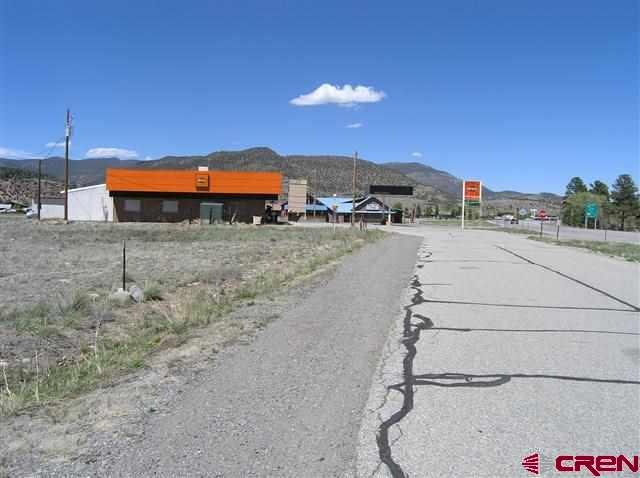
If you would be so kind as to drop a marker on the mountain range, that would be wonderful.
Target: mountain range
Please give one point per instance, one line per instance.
(452, 185)
(326, 174)
(21, 185)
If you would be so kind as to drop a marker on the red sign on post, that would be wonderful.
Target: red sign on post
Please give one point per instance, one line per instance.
(471, 195)
(472, 190)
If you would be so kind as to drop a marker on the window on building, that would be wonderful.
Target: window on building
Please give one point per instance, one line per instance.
(169, 206)
(132, 205)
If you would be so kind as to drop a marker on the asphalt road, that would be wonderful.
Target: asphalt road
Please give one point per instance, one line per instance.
(567, 232)
(505, 347)
(291, 402)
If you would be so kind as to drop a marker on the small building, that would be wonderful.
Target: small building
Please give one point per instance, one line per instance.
(51, 208)
(297, 196)
(367, 208)
(154, 195)
(313, 210)
(90, 203)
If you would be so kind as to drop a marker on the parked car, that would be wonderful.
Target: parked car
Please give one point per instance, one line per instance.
(29, 213)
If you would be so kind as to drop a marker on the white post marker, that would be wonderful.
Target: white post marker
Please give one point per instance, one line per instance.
(463, 181)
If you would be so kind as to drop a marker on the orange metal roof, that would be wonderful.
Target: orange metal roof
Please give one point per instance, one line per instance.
(184, 181)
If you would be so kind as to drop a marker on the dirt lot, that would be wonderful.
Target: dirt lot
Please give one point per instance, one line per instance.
(62, 331)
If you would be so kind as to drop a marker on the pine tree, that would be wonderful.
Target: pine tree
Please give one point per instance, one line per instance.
(624, 195)
(600, 188)
(576, 185)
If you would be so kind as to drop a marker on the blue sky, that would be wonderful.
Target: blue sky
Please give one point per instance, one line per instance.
(521, 94)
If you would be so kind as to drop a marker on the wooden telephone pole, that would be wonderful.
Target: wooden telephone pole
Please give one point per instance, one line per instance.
(67, 134)
(39, 187)
(353, 204)
(315, 191)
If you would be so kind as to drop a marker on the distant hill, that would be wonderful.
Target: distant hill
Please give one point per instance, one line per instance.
(21, 185)
(452, 186)
(326, 175)
(85, 172)
(424, 174)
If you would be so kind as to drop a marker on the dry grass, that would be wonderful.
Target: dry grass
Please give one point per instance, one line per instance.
(469, 223)
(61, 342)
(625, 250)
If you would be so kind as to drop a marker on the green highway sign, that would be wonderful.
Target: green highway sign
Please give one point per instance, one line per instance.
(591, 210)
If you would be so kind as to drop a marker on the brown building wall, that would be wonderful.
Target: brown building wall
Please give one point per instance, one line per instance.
(188, 207)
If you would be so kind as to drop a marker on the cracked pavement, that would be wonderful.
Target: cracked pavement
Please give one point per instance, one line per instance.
(504, 347)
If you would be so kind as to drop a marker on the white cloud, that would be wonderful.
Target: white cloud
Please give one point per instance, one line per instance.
(343, 96)
(111, 153)
(416, 154)
(354, 125)
(10, 153)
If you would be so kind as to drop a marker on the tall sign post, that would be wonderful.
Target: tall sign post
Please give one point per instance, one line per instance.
(353, 198)
(471, 195)
(463, 189)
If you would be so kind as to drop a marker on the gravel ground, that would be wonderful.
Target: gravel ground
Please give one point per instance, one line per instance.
(288, 403)
(44, 262)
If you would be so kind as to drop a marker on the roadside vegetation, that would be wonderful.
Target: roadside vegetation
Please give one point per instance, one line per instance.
(64, 330)
(618, 208)
(625, 250)
(455, 222)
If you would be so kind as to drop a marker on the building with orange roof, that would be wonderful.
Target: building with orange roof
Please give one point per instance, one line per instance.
(163, 195)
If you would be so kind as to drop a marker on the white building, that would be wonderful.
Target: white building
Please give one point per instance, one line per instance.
(91, 203)
(51, 208)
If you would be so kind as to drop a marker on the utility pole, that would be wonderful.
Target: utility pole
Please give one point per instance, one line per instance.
(39, 187)
(353, 204)
(67, 133)
(315, 191)
(463, 204)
